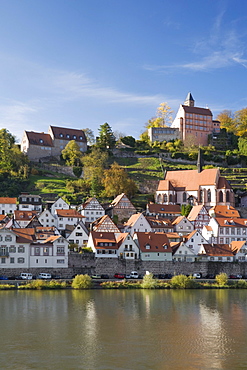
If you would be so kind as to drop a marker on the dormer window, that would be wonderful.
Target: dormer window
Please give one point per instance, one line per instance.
(67, 136)
(74, 137)
(41, 141)
(147, 246)
(61, 135)
(80, 137)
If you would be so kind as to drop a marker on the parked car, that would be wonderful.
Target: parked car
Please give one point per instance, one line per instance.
(197, 275)
(119, 276)
(134, 275)
(3, 277)
(104, 276)
(44, 276)
(232, 276)
(26, 276)
(96, 276)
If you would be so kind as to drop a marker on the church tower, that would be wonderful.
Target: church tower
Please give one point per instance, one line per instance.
(189, 101)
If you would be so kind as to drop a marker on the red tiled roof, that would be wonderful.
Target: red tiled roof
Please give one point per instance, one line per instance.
(231, 222)
(39, 138)
(195, 212)
(24, 215)
(6, 200)
(68, 134)
(104, 237)
(156, 241)
(197, 110)
(163, 208)
(158, 222)
(236, 245)
(68, 213)
(224, 211)
(220, 250)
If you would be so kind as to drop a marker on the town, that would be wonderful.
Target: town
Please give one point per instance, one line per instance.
(191, 226)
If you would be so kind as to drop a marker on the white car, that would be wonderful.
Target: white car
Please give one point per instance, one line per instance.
(197, 275)
(26, 276)
(134, 275)
(43, 275)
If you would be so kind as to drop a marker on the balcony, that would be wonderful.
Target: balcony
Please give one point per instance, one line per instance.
(4, 254)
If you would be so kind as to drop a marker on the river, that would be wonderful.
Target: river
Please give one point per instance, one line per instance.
(124, 329)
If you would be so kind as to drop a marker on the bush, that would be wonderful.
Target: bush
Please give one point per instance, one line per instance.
(241, 284)
(77, 171)
(149, 282)
(82, 282)
(183, 282)
(221, 279)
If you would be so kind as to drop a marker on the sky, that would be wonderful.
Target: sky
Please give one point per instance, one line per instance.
(81, 63)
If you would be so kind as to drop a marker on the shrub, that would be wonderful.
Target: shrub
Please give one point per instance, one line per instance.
(7, 286)
(82, 282)
(149, 282)
(221, 279)
(241, 284)
(77, 171)
(183, 282)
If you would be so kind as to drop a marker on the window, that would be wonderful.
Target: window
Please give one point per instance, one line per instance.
(209, 195)
(60, 262)
(8, 238)
(12, 249)
(220, 196)
(21, 260)
(12, 260)
(184, 197)
(37, 251)
(46, 251)
(61, 135)
(3, 260)
(21, 249)
(61, 250)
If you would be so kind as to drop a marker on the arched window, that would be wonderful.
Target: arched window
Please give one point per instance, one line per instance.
(228, 196)
(184, 197)
(201, 196)
(165, 198)
(209, 195)
(159, 198)
(220, 196)
(170, 198)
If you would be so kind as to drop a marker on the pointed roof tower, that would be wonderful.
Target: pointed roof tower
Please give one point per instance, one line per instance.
(189, 101)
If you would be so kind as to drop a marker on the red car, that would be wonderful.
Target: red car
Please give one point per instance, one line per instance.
(119, 276)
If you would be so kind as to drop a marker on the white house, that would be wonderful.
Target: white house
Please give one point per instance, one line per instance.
(227, 230)
(30, 202)
(183, 253)
(91, 210)
(194, 240)
(67, 217)
(104, 244)
(59, 204)
(79, 235)
(127, 248)
(7, 205)
(182, 225)
(47, 219)
(137, 222)
(14, 249)
(216, 253)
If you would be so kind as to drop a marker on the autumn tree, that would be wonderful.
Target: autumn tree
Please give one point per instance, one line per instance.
(94, 164)
(72, 154)
(11, 158)
(226, 119)
(163, 117)
(106, 139)
(240, 120)
(116, 181)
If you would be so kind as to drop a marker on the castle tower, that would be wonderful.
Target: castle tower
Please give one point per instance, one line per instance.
(189, 101)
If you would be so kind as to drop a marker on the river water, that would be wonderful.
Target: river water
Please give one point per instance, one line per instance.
(124, 329)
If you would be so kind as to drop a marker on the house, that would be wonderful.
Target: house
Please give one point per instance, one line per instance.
(224, 211)
(7, 205)
(104, 224)
(37, 145)
(14, 249)
(137, 222)
(193, 240)
(153, 246)
(163, 210)
(47, 219)
(196, 187)
(121, 207)
(163, 134)
(104, 244)
(127, 248)
(50, 253)
(216, 253)
(23, 217)
(199, 217)
(182, 225)
(59, 204)
(159, 224)
(67, 217)
(29, 202)
(181, 252)
(91, 210)
(239, 249)
(194, 123)
(79, 235)
(227, 230)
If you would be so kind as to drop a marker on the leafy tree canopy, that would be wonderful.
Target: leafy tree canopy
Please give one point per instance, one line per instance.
(94, 164)
(128, 140)
(72, 154)
(89, 135)
(106, 139)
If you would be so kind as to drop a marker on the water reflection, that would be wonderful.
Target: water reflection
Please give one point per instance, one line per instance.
(144, 329)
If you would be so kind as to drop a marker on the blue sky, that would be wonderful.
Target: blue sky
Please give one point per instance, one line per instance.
(81, 63)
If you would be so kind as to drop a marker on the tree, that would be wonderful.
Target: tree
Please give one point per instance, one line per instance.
(7, 141)
(89, 135)
(163, 117)
(226, 119)
(128, 140)
(241, 122)
(94, 164)
(116, 181)
(72, 154)
(106, 139)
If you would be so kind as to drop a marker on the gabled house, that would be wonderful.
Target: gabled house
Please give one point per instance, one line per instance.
(59, 204)
(79, 235)
(127, 248)
(104, 224)
(104, 244)
(193, 240)
(239, 249)
(121, 207)
(137, 222)
(7, 205)
(91, 210)
(47, 219)
(226, 230)
(182, 253)
(23, 217)
(159, 224)
(182, 225)
(199, 217)
(224, 211)
(29, 202)
(215, 252)
(67, 217)
(168, 211)
(14, 249)
(153, 246)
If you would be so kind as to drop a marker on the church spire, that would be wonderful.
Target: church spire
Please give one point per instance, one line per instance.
(189, 101)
